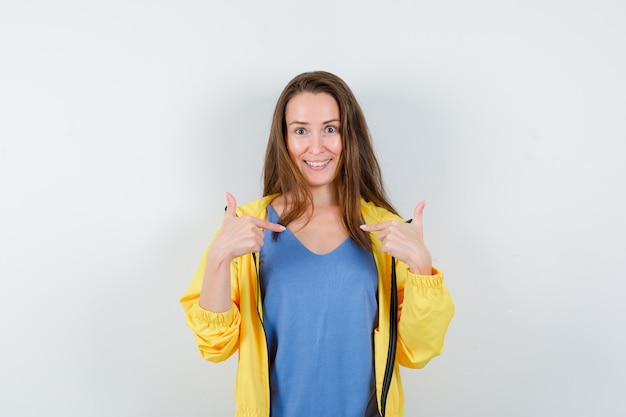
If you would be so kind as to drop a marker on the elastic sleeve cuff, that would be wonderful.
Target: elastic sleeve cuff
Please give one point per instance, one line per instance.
(199, 315)
(426, 281)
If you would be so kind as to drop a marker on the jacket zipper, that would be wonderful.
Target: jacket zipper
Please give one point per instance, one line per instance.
(258, 295)
(393, 336)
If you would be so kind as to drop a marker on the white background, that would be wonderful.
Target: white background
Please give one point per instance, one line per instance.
(123, 122)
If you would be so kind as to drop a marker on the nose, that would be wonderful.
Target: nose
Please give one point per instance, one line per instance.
(317, 143)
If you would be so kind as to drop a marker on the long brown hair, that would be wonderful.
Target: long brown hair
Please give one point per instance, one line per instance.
(359, 173)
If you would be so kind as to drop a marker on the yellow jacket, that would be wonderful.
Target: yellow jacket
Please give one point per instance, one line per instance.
(425, 310)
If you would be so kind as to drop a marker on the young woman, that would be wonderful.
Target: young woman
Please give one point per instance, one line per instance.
(320, 285)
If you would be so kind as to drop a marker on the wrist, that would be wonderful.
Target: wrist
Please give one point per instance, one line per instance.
(418, 268)
(217, 257)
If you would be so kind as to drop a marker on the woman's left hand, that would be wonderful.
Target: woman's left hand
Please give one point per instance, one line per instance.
(405, 241)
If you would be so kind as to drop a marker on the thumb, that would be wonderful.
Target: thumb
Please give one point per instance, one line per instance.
(417, 213)
(231, 205)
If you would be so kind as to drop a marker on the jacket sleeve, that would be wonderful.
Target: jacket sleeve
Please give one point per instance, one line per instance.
(217, 334)
(425, 311)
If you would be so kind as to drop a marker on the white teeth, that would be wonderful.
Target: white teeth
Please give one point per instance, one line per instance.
(317, 164)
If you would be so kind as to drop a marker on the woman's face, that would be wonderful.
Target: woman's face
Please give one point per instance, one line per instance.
(313, 137)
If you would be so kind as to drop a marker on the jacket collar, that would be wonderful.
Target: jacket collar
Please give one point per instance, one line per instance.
(370, 212)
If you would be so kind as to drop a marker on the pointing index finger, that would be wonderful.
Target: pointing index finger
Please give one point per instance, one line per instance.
(374, 227)
(274, 227)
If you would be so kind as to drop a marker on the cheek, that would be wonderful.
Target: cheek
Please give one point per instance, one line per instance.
(294, 150)
(338, 146)
(292, 147)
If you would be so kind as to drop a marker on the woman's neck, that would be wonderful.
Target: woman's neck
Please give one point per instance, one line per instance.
(324, 196)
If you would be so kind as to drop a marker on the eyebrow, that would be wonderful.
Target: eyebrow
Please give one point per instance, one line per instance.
(297, 122)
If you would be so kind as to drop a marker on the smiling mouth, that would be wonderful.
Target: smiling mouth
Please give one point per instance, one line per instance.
(318, 164)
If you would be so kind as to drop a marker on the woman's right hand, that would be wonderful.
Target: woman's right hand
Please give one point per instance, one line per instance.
(239, 235)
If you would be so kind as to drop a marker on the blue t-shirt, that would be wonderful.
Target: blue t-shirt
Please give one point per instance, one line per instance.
(320, 312)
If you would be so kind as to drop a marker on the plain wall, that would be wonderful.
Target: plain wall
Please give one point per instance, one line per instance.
(122, 123)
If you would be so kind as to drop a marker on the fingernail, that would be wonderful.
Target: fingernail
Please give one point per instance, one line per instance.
(363, 226)
(282, 228)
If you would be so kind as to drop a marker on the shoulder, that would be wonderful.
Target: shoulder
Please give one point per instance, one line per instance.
(373, 214)
(256, 208)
